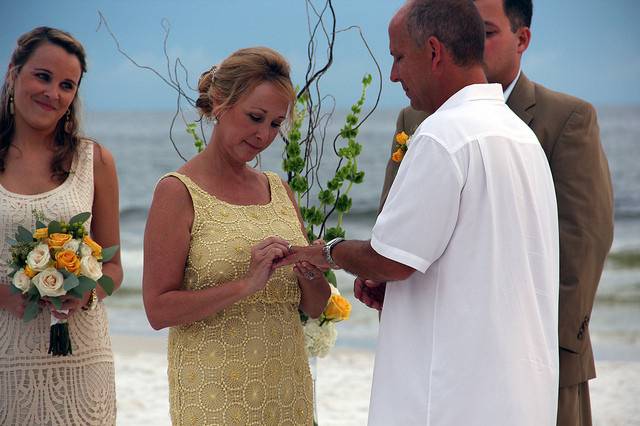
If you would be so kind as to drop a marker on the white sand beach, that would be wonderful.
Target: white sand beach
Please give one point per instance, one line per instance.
(343, 386)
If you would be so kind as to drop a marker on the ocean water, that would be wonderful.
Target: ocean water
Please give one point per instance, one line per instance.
(143, 152)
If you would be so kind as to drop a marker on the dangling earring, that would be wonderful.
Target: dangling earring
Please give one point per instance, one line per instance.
(11, 109)
(67, 122)
(214, 120)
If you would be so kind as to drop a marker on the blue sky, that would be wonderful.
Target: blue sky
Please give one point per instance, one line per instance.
(588, 48)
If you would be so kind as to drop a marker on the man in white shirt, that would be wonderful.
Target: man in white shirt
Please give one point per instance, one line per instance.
(467, 242)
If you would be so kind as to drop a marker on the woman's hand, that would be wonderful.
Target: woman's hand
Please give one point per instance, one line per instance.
(69, 303)
(16, 304)
(263, 256)
(307, 272)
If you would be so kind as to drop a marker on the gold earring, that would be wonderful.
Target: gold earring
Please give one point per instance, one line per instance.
(67, 122)
(11, 108)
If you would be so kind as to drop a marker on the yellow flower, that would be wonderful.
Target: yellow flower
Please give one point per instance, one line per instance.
(398, 155)
(96, 249)
(402, 138)
(338, 308)
(57, 240)
(68, 260)
(29, 272)
(41, 233)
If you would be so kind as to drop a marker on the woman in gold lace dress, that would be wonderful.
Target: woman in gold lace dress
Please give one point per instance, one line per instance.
(214, 231)
(45, 166)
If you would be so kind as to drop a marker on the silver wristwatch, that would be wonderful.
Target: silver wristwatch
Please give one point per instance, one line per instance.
(326, 250)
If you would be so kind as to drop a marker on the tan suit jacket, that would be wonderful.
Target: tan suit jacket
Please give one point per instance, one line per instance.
(568, 130)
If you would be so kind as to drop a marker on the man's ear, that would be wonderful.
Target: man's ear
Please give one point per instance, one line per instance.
(435, 50)
(524, 38)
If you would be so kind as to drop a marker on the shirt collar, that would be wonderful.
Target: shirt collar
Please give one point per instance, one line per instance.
(474, 92)
(509, 89)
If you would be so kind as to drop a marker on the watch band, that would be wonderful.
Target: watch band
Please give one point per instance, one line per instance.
(326, 250)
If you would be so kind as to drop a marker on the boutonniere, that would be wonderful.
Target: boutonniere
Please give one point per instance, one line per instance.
(402, 144)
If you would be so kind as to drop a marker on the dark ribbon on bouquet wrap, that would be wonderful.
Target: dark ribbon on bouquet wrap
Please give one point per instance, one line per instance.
(59, 340)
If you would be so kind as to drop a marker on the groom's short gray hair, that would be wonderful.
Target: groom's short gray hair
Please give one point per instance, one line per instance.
(455, 23)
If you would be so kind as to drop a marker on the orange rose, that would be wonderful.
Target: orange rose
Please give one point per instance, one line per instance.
(96, 249)
(41, 233)
(68, 260)
(338, 308)
(29, 272)
(398, 155)
(57, 240)
(402, 138)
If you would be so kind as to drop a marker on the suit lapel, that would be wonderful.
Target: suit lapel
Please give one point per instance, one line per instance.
(523, 99)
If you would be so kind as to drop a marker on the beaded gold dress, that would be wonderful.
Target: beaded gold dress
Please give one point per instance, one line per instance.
(245, 365)
(35, 387)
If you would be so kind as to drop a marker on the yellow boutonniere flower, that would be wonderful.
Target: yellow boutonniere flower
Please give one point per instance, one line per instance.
(402, 138)
(398, 155)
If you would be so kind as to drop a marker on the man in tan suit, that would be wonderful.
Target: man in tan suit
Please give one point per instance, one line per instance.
(568, 131)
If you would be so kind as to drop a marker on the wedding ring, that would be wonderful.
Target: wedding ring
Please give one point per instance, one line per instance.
(309, 275)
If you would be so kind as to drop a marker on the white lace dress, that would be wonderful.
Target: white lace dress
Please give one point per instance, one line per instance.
(35, 387)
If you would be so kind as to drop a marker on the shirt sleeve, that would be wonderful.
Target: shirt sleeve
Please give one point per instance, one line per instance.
(421, 210)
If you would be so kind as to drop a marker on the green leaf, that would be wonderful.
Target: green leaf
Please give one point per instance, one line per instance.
(11, 241)
(55, 301)
(109, 252)
(80, 218)
(23, 235)
(85, 284)
(40, 225)
(14, 290)
(107, 284)
(331, 277)
(31, 311)
(334, 232)
(70, 281)
(344, 203)
(76, 293)
(33, 293)
(54, 227)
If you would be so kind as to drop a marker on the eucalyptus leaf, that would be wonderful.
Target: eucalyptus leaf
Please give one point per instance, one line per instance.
(76, 293)
(80, 218)
(23, 235)
(40, 225)
(85, 284)
(70, 281)
(109, 252)
(54, 227)
(31, 311)
(34, 293)
(14, 290)
(55, 301)
(107, 284)
(11, 241)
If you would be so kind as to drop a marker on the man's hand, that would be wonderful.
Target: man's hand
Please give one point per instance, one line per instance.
(312, 254)
(371, 293)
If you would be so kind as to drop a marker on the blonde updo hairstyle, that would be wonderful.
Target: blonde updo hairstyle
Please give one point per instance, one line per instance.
(222, 86)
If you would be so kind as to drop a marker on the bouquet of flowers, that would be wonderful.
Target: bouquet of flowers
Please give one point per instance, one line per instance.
(55, 260)
(320, 334)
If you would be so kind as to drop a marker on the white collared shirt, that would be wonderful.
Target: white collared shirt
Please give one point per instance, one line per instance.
(509, 89)
(471, 337)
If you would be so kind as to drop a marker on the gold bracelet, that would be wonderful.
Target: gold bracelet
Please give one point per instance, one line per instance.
(92, 303)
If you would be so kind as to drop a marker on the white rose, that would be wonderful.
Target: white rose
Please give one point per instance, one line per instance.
(72, 245)
(49, 283)
(90, 268)
(39, 257)
(22, 281)
(85, 250)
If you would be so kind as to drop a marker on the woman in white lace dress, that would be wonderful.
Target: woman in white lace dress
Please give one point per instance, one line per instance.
(46, 167)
